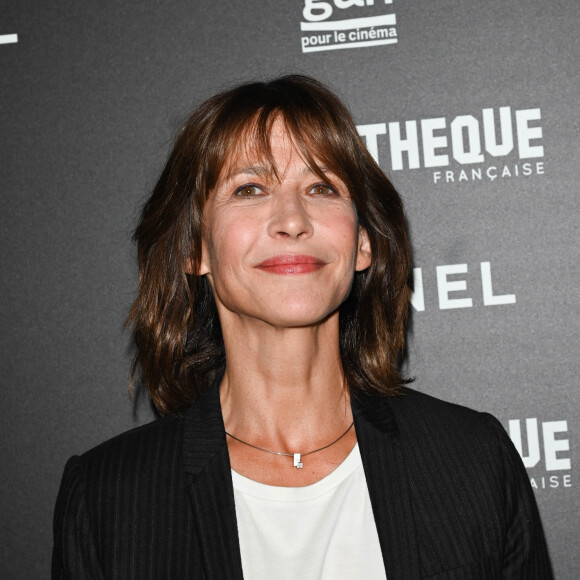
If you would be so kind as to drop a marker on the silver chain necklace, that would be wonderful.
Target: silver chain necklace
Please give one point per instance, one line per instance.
(297, 456)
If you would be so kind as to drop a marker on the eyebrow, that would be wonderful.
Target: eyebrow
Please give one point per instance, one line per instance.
(263, 171)
(307, 170)
(251, 169)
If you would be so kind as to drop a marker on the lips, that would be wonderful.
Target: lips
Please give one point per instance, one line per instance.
(291, 264)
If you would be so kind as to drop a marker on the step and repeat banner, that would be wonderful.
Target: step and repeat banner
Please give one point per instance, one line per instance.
(470, 107)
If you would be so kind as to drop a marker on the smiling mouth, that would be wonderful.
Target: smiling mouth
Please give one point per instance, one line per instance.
(291, 264)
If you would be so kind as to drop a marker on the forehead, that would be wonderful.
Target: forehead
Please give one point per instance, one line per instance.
(255, 150)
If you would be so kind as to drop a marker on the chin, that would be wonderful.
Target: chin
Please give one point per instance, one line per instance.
(295, 318)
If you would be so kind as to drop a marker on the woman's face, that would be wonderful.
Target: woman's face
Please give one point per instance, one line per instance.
(280, 250)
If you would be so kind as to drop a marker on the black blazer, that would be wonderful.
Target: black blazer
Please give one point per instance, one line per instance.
(449, 493)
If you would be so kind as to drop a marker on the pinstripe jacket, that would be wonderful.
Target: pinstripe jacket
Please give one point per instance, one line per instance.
(449, 493)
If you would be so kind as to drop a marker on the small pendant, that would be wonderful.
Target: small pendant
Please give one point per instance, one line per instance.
(297, 462)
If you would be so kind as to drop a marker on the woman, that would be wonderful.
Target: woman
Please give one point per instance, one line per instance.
(274, 259)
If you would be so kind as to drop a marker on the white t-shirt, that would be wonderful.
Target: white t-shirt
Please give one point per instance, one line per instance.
(324, 531)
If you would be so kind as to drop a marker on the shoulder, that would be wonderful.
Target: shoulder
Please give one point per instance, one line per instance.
(109, 484)
(423, 414)
(432, 430)
(135, 460)
(119, 499)
(155, 451)
(153, 438)
(465, 481)
(464, 469)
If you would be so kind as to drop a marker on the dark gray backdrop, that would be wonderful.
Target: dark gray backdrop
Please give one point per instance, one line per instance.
(91, 95)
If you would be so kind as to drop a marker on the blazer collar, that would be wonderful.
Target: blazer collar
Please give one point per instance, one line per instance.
(375, 411)
(206, 461)
(211, 492)
(204, 432)
(387, 479)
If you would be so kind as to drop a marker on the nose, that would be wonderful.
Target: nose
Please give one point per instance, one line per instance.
(289, 218)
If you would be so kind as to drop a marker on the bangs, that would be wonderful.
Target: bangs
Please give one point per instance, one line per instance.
(242, 131)
(252, 145)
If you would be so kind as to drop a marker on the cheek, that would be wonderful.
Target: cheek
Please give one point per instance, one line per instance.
(230, 241)
(343, 230)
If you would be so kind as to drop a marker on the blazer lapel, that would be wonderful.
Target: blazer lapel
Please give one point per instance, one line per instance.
(385, 471)
(206, 461)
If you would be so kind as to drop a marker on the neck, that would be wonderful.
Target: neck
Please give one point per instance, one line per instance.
(284, 388)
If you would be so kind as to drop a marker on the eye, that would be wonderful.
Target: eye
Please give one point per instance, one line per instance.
(248, 190)
(322, 189)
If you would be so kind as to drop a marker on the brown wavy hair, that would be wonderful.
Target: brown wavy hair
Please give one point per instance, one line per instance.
(177, 333)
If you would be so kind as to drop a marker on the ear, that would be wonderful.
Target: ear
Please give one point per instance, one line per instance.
(364, 253)
(204, 264)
